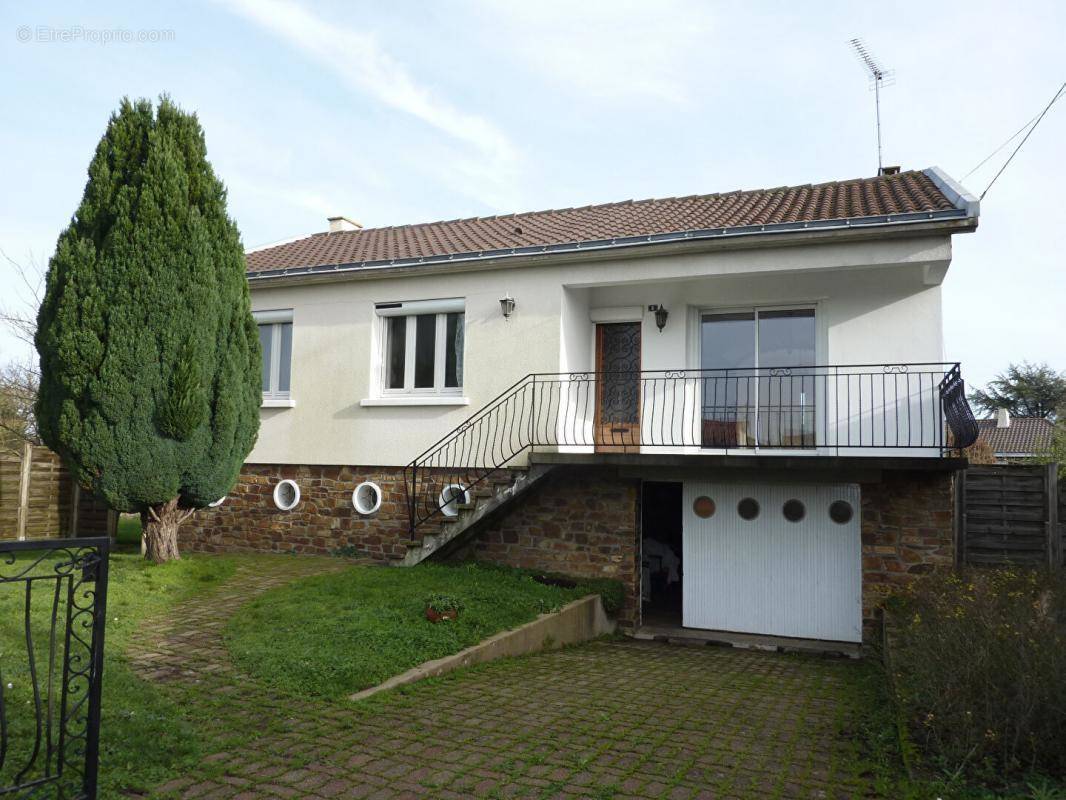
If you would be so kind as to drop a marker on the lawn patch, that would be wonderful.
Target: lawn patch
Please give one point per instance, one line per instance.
(336, 634)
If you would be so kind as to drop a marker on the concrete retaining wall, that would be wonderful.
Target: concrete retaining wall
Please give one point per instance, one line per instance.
(575, 622)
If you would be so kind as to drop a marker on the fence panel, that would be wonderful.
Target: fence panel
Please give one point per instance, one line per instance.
(1009, 514)
(40, 500)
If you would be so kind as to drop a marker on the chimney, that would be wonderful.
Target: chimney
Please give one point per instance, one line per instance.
(1002, 418)
(889, 170)
(338, 224)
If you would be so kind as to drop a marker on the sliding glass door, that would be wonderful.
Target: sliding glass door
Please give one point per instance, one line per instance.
(759, 382)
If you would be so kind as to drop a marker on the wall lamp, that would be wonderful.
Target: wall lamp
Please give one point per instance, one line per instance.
(507, 305)
(660, 316)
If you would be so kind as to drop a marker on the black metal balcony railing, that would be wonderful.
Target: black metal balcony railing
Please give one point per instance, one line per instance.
(821, 409)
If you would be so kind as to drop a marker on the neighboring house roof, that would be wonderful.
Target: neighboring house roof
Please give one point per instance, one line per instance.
(1023, 436)
(905, 196)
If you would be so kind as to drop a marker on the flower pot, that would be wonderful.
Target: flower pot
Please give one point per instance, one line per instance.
(436, 616)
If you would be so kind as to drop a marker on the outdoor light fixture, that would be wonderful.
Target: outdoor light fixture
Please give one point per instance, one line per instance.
(507, 305)
(660, 316)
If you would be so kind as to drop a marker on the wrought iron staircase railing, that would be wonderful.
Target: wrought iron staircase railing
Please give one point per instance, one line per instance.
(819, 409)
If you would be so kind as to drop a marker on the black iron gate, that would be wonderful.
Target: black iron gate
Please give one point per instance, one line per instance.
(53, 596)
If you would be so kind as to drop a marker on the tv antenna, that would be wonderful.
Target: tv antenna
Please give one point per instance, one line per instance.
(879, 78)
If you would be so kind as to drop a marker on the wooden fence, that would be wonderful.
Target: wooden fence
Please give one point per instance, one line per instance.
(40, 500)
(1011, 514)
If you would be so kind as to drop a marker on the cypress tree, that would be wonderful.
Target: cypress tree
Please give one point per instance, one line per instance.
(150, 363)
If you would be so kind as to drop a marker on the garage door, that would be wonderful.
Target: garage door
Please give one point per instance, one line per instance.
(777, 559)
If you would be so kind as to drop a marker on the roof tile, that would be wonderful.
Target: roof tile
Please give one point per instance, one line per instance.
(889, 194)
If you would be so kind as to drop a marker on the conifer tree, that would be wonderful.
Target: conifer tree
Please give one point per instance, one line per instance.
(150, 363)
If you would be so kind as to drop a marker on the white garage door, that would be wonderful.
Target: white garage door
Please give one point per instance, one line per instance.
(777, 559)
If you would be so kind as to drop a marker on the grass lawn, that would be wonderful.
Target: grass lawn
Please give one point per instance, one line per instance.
(335, 634)
(144, 735)
(129, 530)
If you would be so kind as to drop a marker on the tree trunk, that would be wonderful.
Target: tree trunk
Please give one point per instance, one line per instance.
(160, 525)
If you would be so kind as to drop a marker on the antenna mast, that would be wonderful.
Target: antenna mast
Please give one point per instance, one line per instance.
(878, 78)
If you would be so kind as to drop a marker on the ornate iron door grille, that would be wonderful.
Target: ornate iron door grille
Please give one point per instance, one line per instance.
(53, 597)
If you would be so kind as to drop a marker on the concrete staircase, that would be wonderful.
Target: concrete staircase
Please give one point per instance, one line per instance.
(443, 535)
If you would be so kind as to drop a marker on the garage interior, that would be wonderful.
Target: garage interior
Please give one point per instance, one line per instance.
(662, 570)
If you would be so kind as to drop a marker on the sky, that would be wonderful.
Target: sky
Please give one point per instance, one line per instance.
(411, 111)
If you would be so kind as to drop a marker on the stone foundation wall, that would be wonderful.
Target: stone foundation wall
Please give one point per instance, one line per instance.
(323, 521)
(907, 530)
(580, 523)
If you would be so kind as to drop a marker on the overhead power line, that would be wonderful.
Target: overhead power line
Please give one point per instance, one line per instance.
(992, 155)
(1047, 108)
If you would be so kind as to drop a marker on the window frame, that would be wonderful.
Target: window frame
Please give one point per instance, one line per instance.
(275, 319)
(440, 309)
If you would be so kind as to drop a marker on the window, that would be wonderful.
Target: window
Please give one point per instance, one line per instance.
(703, 506)
(794, 511)
(422, 347)
(841, 512)
(748, 508)
(275, 340)
(751, 397)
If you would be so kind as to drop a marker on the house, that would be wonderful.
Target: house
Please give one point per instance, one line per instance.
(1016, 438)
(739, 400)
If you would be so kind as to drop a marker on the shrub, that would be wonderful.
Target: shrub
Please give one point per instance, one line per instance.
(978, 659)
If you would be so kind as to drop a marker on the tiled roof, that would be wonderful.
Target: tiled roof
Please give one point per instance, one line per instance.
(902, 193)
(1024, 435)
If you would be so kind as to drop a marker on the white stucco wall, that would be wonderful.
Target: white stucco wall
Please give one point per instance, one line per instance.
(874, 304)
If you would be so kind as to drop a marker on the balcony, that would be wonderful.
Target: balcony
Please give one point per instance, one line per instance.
(881, 409)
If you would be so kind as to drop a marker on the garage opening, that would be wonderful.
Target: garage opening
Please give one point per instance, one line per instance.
(661, 550)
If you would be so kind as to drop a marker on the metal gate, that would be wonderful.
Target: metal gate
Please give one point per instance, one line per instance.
(53, 596)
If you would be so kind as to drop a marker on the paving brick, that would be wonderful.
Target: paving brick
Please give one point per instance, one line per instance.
(610, 718)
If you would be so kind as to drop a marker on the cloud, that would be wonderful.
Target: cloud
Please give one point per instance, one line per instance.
(359, 61)
(610, 50)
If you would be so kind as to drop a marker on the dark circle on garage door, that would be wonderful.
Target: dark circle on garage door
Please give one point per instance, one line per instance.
(703, 507)
(748, 508)
(794, 510)
(841, 512)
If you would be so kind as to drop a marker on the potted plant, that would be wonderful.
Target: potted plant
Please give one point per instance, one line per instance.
(442, 606)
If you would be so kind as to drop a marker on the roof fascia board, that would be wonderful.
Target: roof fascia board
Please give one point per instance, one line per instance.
(689, 242)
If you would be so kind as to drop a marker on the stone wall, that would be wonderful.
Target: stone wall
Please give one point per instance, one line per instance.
(580, 523)
(907, 530)
(323, 521)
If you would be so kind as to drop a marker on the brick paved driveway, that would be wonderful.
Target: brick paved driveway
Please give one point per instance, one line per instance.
(610, 719)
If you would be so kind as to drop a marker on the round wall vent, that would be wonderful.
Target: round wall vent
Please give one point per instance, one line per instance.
(366, 497)
(286, 495)
(451, 497)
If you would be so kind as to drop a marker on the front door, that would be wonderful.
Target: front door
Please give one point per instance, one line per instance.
(617, 424)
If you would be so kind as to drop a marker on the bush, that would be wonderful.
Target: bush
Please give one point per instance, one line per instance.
(978, 659)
